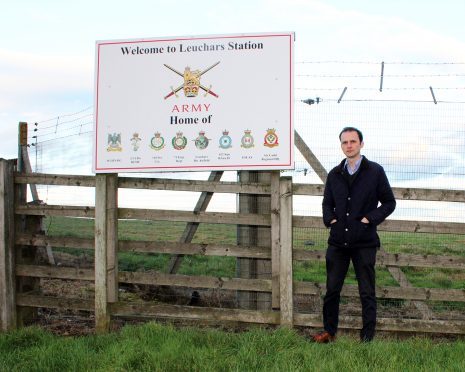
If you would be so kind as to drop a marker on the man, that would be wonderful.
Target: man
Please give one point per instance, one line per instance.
(357, 198)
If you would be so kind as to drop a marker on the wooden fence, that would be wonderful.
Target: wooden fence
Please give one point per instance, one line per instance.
(21, 234)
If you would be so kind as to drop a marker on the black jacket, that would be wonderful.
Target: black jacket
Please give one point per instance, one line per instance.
(348, 204)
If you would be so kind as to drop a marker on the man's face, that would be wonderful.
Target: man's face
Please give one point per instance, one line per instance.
(351, 145)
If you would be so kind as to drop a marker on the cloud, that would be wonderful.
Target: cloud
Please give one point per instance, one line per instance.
(324, 30)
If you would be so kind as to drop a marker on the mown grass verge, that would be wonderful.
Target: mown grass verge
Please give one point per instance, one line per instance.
(157, 347)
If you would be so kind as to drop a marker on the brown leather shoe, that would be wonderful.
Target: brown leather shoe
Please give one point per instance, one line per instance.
(323, 337)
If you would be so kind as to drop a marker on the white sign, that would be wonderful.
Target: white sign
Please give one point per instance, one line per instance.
(194, 103)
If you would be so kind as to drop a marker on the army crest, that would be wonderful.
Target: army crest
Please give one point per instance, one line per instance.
(201, 142)
(271, 138)
(114, 142)
(225, 140)
(157, 142)
(179, 142)
(247, 139)
(191, 84)
(135, 141)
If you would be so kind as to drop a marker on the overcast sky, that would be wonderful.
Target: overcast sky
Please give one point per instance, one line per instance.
(47, 47)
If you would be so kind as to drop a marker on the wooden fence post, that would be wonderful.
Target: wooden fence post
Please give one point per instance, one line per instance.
(106, 242)
(25, 255)
(254, 236)
(275, 244)
(285, 216)
(7, 257)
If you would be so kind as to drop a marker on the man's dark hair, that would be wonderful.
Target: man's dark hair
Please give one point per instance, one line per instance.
(352, 129)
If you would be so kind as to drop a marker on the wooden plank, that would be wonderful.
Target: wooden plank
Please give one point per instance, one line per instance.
(392, 225)
(55, 179)
(28, 169)
(410, 293)
(191, 227)
(201, 217)
(194, 185)
(310, 157)
(230, 250)
(55, 302)
(148, 214)
(393, 259)
(112, 237)
(35, 198)
(226, 250)
(257, 285)
(423, 227)
(30, 224)
(308, 189)
(275, 240)
(415, 260)
(54, 210)
(124, 309)
(190, 281)
(285, 259)
(388, 324)
(194, 313)
(262, 234)
(62, 242)
(102, 312)
(246, 236)
(57, 272)
(7, 248)
(146, 183)
(22, 142)
(401, 193)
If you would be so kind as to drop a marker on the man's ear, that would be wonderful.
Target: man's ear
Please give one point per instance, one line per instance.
(361, 144)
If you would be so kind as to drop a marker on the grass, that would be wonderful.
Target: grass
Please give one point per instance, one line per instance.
(157, 347)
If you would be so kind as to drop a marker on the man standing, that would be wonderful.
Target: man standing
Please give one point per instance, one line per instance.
(357, 198)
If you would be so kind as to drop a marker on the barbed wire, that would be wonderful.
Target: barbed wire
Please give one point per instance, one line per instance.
(64, 122)
(377, 89)
(65, 129)
(378, 62)
(62, 137)
(378, 75)
(65, 115)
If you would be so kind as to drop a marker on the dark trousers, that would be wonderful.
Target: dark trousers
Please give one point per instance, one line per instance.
(337, 264)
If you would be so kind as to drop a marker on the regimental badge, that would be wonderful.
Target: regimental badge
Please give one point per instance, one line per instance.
(179, 142)
(225, 140)
(114, 142)
(201, 142)
(271, 138)
(191, 84)
(157, 142)
(135, 141)
(247, 139)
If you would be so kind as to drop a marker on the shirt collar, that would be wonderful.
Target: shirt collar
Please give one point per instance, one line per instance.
(356, 167)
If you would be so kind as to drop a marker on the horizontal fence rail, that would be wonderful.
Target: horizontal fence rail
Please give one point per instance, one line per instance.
(226, 187)
(256, 285)
(383, 258)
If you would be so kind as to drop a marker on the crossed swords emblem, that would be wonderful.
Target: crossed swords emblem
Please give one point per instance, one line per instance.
(195, 75)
